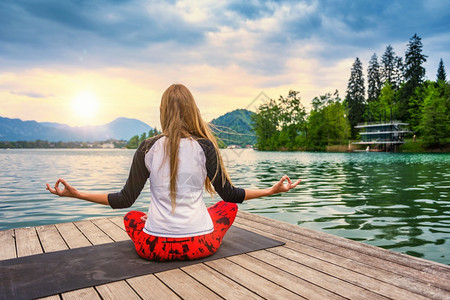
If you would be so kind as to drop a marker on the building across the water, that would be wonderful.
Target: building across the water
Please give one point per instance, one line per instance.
(383, 136)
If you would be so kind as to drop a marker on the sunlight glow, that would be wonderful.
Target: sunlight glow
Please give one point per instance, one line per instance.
(85, 105)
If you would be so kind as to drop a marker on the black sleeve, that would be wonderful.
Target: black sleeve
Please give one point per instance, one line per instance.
(226, 190)
(135, 183)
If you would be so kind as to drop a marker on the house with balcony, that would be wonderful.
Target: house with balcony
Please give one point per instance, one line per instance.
(379, 136)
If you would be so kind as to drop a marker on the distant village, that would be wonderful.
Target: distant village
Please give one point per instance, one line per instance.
(108, 144)
(239, 147)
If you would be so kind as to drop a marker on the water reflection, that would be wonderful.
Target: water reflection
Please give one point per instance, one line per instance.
(396, 201)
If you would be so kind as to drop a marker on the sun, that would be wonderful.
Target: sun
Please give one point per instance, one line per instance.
(85, 105)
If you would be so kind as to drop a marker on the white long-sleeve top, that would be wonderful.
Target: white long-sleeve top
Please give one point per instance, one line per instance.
(197, 159)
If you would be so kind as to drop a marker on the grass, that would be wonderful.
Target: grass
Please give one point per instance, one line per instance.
(411, 146)
(419, 146)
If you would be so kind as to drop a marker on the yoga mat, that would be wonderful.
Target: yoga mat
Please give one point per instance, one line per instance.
(57, 272)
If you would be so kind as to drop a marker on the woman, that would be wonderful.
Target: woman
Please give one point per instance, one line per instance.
(179, 163)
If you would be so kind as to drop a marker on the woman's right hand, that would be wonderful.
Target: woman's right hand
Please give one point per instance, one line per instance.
(68, 191)
(281, 186)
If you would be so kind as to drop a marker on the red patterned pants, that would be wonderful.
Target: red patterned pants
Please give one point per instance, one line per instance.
(164, 249)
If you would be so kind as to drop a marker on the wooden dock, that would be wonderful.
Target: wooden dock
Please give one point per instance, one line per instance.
(311, 265)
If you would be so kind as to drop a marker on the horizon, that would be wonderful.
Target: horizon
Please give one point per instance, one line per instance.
(59, 123)
(83, 63)
(108, 122)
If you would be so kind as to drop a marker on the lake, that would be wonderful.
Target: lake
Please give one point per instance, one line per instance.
(392, 200)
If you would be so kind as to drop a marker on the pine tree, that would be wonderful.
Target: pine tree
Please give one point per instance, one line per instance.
(355, 96)
(414, 71)
(414, 75)
(391, 69)
(387, 65)
(373, 79)
(398, 74)
(441, 76)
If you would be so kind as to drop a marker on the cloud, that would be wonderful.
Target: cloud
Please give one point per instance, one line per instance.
(52, 30)
(30, 94)
(226, 50)
(251, 9)
(260, 36)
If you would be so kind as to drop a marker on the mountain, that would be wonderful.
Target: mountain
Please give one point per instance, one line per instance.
(120, 129)
(234, 128)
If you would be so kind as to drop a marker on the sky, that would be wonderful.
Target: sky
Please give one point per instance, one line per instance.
(84, 62)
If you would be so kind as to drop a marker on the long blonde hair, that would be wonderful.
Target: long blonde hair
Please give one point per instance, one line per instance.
(180, 118)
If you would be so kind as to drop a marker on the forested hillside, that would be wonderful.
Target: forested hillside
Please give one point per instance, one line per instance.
(235, 128)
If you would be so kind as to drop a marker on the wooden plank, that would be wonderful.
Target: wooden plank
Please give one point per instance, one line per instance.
(409, 283)
(111, 229)
(377, 272)
(27, 242)
(185, 286)
(55, 297)
(93, 233)
(118, 290)
(436, 280)
(395, 257)
(318, 278)
(354, 278)
(50, 238)
(88, 293)
(218, 283)
(250, 280)
(8, 244)
(73, 237)
(283, 278)
(150, 287)
(118, 221)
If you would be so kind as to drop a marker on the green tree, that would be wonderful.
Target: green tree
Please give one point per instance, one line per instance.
(414, 75)
(387, 64)
(339, 127)
(398, 74)
(414, 71)
(391, 69)
(387, 100)
(292, 119)
(266, 125)
(416, 103)
(143, 137)
(441, 76)
(327, 124)
(435, 121)
(355, 96)
(373, 79)
(136, 140)
(133, 143)
(280, 124)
